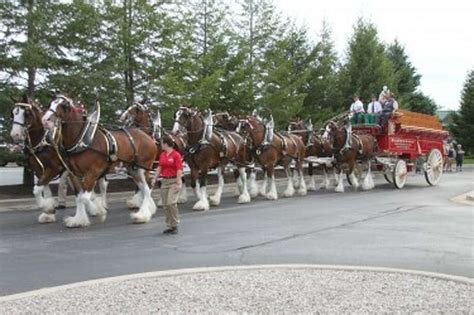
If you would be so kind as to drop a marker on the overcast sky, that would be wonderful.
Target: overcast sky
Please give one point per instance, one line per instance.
(438, 35)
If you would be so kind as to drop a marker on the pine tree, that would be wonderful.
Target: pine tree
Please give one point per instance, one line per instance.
(407, 79)
(321, 86)
(367, 68)
(257, 29)
(463, 122)
(286, 71)
(421, 103)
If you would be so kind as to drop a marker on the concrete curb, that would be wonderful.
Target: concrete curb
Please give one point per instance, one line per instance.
(466, 198)
(187, 271)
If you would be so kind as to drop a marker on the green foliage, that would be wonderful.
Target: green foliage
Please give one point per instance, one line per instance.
(419, 102)
(367, 68)
(407, 80)
(463, 122)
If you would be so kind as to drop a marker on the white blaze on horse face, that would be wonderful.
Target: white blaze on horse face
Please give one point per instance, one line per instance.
(326, 133)
(176, 125)
(52, 109)
(18, 127)
(124, 115)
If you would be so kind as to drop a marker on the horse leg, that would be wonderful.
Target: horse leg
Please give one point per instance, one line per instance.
(244, 196)
(368, 182)
(301, 190)
(253, 188)
(203, 202)
(354, 180)
(340, 184)
(216, 198)
(238, 181)
(83, 200)
(148, 206)
(336, 176)
(263, 188)
(272, 194)
(44, 199)
(290, 190)
(94, 205)
(183, 193)
(326, 183)
(296, 179)
(312, 180)
(101, 200)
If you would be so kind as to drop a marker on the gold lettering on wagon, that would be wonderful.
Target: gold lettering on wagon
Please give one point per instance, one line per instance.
(403, 144)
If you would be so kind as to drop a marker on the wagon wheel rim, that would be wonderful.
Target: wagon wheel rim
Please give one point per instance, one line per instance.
(434, 167)
(400, 173)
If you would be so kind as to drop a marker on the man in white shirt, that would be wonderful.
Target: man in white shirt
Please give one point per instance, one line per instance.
(357, 109)
(374, 109)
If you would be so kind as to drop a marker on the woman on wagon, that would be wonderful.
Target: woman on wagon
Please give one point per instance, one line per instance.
(170, 170)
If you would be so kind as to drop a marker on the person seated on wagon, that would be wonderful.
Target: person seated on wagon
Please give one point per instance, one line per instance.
(390, 106)
(384, 95)
(357, 109)
(374, 108)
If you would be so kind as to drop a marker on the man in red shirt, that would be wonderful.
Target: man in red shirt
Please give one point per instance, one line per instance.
(170, 169)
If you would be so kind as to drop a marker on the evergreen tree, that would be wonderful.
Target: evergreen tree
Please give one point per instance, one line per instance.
(257, 30)
(463, 122)
(419, 102)
(286, 71)
(367, 68)
(321, 86)
(407, 79)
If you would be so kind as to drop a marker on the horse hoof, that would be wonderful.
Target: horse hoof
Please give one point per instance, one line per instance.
(288, 193)
(72, 222)
(339, 189)
(244, 198)
(271, 196)
(46, 218)
(201, 206)
(214, 201)
(302, 192)
(139, 218)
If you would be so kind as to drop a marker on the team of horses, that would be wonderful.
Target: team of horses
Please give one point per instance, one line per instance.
(65, 138)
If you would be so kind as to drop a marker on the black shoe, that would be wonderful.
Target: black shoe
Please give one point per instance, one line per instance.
(60, 207)
(171, 231)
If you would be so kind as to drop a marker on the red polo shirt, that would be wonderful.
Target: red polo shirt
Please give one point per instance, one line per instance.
(170, 163)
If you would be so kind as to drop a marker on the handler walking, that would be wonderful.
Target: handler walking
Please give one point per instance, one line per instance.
(170, 170)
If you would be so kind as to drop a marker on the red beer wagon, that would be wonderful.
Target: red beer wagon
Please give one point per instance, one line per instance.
(406, 137)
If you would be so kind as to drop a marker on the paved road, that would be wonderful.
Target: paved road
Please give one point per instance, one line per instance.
(414, 228)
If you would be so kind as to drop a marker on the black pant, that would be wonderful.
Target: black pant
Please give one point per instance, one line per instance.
(459, 163)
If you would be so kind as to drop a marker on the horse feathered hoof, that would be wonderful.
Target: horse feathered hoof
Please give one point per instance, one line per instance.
(302, 192)
(74, 222)
(214, 201)
(289, 193)
(139, 218)
(244, 198)
(271, 196)
(201, 206)
(46, 218)
(339, 189)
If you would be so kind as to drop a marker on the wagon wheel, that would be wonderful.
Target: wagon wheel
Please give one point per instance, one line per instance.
(433, 167)
(399, 174)
(357, 172)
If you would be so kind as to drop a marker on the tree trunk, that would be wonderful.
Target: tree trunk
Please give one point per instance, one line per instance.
(28, 177)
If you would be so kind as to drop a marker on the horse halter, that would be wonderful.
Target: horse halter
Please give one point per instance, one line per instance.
(26, 107)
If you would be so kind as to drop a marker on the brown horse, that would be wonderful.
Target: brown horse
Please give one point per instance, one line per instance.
(41, 156)
(270, 149)
(229, 122)
(208, 149)
(361, 148)
(90, 152)
(139, 115)
(314, 149)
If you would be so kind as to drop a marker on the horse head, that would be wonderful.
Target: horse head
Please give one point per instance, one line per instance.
(187, 118)
(138, 115)
(329, 134)
(250, 127)
(59, 108)
(226, 121)
(25, 116)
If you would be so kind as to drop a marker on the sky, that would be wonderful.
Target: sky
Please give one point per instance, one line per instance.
(438, 35)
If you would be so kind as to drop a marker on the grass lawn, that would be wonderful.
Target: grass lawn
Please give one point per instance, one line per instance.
(469, 160)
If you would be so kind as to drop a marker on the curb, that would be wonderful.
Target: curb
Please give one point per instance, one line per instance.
(188, 271)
